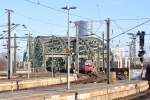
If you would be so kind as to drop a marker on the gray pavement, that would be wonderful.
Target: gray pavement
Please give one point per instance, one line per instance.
(58, 89)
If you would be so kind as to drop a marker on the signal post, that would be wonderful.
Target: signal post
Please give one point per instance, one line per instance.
(141, 51)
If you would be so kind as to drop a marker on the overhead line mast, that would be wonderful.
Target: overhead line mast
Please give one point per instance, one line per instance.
(9, 43)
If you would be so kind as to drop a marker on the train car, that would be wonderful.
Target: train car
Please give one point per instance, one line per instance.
(87, 66)
(121, 73)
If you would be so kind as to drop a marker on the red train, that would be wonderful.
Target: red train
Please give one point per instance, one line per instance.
(87, 66)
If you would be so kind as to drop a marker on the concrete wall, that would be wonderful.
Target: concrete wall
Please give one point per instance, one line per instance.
(113, 92)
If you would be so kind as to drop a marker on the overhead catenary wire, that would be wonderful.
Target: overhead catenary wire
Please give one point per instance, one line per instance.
(125, 19)
(3, 25)
(100, 26)
(54, 9)
(31, 31)
(37, 3)
(118, 26)
(3, 34)
(61, 11)
(131, 29)
(130, 19)
(116, 29)
(7, 31)
(39, 20)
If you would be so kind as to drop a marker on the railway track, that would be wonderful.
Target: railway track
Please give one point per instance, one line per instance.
(92, 78)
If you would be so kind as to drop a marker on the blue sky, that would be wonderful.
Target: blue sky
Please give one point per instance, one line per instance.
(44, 21)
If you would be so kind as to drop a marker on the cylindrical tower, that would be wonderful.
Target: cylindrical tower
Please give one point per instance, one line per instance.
(84, 28)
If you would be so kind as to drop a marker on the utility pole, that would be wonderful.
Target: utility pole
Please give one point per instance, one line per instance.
(129, 67)
(52, 68)
(77, 49)
(9, 42)
(29, 51)
(108, 50)
(15, 47)
(103, 52)
(133, 50)
(98, 57)
(29, 46)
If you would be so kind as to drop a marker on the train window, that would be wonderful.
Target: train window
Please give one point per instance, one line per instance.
(88, 63)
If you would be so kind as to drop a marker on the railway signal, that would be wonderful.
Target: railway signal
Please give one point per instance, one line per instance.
(141, 51)
(141, 38)
(141, 44)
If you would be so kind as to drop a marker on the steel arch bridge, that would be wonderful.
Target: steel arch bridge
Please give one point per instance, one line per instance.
(51, 48)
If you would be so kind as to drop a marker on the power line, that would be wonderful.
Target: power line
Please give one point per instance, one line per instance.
(3, 34)
(131, 29)
(32, 31)
(54, 9)
(118, 26)
(39, 20)
(3, 25)
(126, 19)
(100, 26)
(131, 19)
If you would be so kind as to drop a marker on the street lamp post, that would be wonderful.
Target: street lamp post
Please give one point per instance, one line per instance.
(69, 57)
